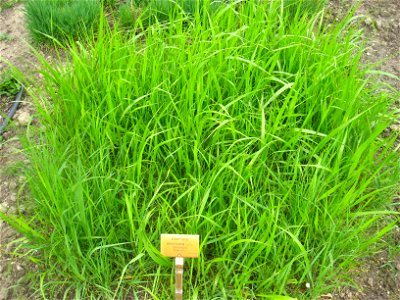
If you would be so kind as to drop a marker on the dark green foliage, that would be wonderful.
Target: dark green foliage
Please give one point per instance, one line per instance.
(165, 7)
(110, 3)
(162, 9)
(5, 37)
(9, 85)
(5, 4)
(128, 11)
(306, 6)
(61, 19)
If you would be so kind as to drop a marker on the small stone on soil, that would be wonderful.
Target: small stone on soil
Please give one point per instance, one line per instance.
(24, 118)
(3, 293)
(370, 281)
(7, 135)
(4, 208)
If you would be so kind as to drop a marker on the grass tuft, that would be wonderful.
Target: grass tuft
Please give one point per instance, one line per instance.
(50, 20)
(259, 131)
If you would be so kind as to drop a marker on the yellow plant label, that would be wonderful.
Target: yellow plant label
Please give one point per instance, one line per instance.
(180, 245)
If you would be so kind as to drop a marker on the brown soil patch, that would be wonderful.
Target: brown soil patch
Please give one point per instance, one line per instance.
(378, 277)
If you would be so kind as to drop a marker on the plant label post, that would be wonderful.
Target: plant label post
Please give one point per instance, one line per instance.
(178, 278)
(180, 246)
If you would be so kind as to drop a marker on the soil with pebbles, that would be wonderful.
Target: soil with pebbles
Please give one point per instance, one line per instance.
(376, 278)
(15, 49)
(5, 104)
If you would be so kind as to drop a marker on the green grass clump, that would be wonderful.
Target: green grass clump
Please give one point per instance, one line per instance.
(304, 6)
(129, 11)
(61, 19)
(6, 4)
(254, 129)
(165, 8)
(5, 37)
(160, 10)
(9, 85)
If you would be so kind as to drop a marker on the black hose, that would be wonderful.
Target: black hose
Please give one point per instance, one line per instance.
(12, 111)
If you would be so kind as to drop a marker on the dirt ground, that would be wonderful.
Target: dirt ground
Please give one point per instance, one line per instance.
(378, 277)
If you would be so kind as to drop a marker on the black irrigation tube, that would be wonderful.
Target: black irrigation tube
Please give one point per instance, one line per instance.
(12, 111)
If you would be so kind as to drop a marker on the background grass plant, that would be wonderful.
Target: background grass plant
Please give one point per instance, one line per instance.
(6, 4)
(61, 19)
(9, 85)
(254, 129)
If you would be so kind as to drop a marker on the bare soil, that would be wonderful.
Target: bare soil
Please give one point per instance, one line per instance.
(13, 46)
(15, 49)
(376, 278)
(5, 105)
(381, 25)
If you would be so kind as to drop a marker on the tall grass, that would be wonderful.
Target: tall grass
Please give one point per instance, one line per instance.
(259, 131)
(304, 6)
(61, 19)
(160, 10)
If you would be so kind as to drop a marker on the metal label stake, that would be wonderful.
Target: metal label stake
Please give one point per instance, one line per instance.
(179, 246)
(179, 278)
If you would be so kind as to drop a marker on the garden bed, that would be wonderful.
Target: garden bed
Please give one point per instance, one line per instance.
(314, 293)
